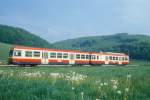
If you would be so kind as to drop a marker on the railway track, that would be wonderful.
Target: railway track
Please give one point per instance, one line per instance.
(133, 65)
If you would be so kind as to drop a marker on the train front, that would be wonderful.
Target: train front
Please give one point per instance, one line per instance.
(13, 53)
(10, 58)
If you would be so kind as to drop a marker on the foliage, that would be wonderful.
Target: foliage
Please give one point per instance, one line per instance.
(137, 46)
(55, 83)
(18, 36)
(4, 52)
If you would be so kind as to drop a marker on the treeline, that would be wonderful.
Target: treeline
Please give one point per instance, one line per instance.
(137, 46)
(136, 51)
(18, 36)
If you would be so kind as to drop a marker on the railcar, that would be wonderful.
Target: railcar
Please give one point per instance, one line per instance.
(116, 58)
(20, 55)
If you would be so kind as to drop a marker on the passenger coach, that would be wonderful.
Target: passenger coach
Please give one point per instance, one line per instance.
(20, 55)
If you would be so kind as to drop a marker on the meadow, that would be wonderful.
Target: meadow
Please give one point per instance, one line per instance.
(130, 82)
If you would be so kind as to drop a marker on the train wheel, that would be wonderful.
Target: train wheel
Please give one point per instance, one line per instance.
(23, 65)
(33, 65)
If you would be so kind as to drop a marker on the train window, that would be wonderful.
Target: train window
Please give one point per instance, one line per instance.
(11, 53)
(97, 57)
(116, 58)
(87, 56)
(122, 58)
(110, 57)
(113, 58)
(28, 53)
(65, 55)
(106, 57)
(93, 57)
(17, 53)
(59, 55)
(90, 57)
(119, 58)
(82, 56)
(72, 56)
(36, 54)
(52, 55)
(77, 56)
(126, 58)
(45, 55)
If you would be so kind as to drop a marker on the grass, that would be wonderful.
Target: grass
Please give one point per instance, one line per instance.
(76, 83)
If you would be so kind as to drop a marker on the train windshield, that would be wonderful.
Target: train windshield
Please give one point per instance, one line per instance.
(16, 53)
(11, 53)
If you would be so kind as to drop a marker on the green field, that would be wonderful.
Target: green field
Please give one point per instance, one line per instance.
(76, 83)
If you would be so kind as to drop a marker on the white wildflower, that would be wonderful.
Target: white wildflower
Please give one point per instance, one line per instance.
(114, 87)
(114, 82)
(43, 73)
(99, 87)
(105, 83)
(129, 76)
(119, 92)
(72, 76)
(73, 88)
(11, 74)
(97, 99)
(101, 84)
(97, 81)
(33, 74)
(127, 89)
(55, 75)
(82, 93)
(1, 71)
(74, 73)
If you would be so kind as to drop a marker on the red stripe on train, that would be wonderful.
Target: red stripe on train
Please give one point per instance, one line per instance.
(26, 60)
(57, 60)
(97, 62)
(125, 63)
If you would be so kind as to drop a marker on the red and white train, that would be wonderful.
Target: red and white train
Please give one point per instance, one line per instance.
(20, 55)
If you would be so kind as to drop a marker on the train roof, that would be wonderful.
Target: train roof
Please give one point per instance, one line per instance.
(76, 51)
(48, 49)
(112, 53)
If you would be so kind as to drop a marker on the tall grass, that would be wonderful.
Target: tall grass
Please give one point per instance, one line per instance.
(75, 83)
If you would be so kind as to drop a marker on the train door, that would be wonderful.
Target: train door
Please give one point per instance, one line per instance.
(44, 58)
(120, 62)
(72, 59)
(106, 60)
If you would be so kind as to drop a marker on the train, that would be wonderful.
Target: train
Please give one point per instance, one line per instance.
(31, 56)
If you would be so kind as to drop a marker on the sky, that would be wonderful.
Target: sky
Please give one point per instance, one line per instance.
(56, 20)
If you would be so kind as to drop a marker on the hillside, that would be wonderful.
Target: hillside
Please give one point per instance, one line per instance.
(138, 46)
(14, 35)
(4, 51)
